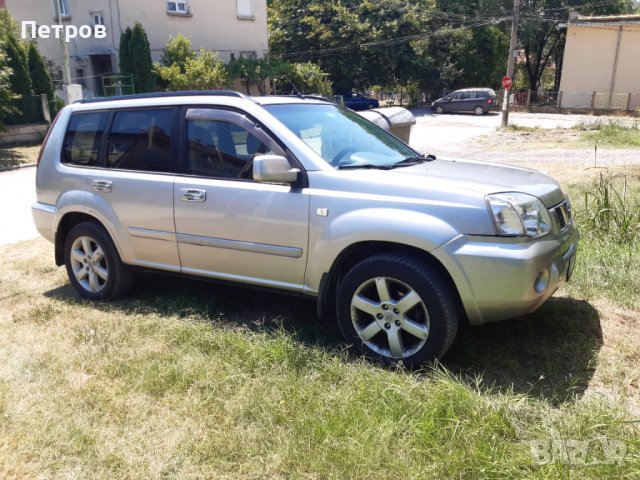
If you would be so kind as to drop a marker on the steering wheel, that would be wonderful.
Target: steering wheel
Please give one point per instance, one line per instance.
(246, 171)
(335, 161)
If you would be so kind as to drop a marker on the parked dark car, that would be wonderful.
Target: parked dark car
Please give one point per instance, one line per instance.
(476, 100)
(357, 101)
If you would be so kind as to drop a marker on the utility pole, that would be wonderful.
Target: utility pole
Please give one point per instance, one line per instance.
(512, 47)
(66, 69)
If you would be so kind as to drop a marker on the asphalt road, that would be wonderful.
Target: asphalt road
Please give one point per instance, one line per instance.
(17, 194)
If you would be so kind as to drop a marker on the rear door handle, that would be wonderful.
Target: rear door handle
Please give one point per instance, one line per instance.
(101, 185)
(193, 195)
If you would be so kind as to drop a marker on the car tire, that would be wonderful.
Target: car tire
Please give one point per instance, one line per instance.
(394, 308)
(478, 110)
(439, 109)
(93, 264)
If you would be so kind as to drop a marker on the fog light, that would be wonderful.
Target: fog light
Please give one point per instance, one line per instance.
(542, 281)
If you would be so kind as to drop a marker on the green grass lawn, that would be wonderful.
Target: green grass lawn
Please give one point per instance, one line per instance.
(612, 134)
(189, 379)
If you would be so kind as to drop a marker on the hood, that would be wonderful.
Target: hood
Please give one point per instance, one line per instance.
(485, 178)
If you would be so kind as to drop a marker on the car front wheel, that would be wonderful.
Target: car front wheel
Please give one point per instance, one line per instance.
(93, 264)
(394, 308)
(439, 109)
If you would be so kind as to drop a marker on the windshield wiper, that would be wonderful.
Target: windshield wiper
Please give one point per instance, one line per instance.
(408, 162)
(354, 166)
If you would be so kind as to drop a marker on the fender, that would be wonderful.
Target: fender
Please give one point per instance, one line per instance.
(77, 201)
(326, 242)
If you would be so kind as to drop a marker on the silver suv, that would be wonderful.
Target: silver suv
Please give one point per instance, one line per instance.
(306, 197)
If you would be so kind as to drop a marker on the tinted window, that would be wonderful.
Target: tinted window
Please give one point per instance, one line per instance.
(141, 140)
(457, 96)
(466, 95)
(83, 137)
(221, 149)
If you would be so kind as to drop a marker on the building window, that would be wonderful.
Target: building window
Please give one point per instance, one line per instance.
(63, 5)
(246, 9)
(177, 7)
(248, 55)
(80, 79)
(97, 18)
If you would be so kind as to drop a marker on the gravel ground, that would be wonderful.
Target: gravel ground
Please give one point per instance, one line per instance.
(555, 148)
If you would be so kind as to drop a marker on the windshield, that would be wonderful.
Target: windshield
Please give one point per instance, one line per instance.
(341, 137)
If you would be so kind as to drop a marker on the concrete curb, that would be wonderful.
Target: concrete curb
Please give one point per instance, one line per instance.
(17, 167)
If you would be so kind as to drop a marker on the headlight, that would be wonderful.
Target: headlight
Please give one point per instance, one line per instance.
(516, 214)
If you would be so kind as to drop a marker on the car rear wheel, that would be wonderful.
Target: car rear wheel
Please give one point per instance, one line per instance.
(93, 264)
(478, 110)
(394, 308)
(439, 109)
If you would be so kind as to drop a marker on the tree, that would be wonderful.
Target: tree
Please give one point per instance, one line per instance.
(126, 62)
(310, 78)
(362, 42)
(353, 40)
(142, 66)
(17, 61)
(178, 52)
(204, 71)
(7, 97)
(40, 78)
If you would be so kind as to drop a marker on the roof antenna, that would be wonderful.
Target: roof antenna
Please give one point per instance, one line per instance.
(295, 89)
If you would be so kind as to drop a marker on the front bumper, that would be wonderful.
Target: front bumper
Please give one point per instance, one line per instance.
(500, 278)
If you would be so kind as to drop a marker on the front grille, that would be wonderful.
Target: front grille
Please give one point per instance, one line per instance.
(562, 213)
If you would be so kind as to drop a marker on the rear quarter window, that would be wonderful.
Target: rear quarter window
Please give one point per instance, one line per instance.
(83, 137)
(141, 140)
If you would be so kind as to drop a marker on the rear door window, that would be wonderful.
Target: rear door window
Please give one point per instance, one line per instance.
(83, 138)
(141, 140)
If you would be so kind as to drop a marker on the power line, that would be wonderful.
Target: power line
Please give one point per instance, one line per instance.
(384, 42)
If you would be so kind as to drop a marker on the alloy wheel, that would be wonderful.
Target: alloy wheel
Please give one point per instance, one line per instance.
(89, 264)
(390, 317)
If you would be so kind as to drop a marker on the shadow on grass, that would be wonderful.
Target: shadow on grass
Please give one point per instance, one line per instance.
(549, 354)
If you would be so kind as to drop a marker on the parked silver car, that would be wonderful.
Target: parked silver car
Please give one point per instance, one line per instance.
(306, 197)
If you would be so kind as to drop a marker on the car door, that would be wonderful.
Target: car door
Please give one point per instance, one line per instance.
(131, 189)
(229, 226)
(456, 104)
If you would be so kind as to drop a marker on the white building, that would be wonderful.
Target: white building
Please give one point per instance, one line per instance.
(236, 27)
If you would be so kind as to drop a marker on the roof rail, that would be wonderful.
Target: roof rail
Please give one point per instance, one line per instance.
(186, 93)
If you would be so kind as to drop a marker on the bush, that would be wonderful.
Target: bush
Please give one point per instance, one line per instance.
(202, 72)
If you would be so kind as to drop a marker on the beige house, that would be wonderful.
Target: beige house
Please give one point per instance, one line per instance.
(236, 27)
(602, 56)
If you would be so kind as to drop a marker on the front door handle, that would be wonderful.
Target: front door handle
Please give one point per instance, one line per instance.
(101, 185)
(193, 195)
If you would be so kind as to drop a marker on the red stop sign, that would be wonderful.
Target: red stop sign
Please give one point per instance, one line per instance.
(507, 82)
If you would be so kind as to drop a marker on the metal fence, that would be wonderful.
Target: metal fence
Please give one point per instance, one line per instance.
(113, 85)
(592, 101)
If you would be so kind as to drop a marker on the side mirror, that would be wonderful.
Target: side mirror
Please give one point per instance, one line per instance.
(274, 169)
